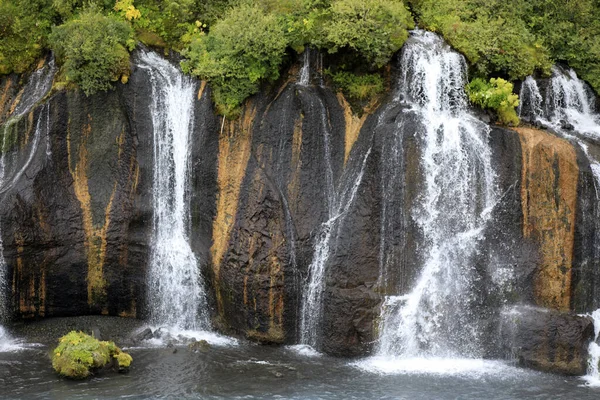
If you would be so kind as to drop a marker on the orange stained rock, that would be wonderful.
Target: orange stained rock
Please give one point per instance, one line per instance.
(234, 152)
(549, 196)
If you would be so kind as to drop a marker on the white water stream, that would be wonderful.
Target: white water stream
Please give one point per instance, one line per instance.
(433, 322)
(176, 288)
(33, 92)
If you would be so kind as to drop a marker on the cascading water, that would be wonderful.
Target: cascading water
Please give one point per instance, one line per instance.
(305, 70)
(176, 289)
(435, 319)
(593, 372)
(37, 87)
(569, 109)
(338, 203)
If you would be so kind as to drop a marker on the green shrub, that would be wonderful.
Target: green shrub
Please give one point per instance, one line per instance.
(489, 34)
(93, 49)
(242, 49)
(78, 355)
(24, 28)
(497, 94)
(375, 29)
(358, 87)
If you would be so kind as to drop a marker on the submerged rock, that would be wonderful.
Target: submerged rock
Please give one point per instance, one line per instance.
(547, 340)
(199, 345)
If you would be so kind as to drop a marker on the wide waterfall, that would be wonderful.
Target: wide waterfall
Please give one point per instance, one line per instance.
(176, 288)
(436, 318)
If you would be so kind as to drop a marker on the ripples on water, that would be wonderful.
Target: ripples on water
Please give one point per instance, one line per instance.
(260, 372)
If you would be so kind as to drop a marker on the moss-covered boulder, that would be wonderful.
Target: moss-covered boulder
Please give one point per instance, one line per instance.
(78, 355)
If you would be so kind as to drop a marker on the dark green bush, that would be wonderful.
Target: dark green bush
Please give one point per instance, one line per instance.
(242, 49)
(375, 29)
(93, 50)
(358, 87)
(24, 28)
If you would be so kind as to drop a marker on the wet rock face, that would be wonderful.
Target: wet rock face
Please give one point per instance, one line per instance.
(77, 224)
(547, 340)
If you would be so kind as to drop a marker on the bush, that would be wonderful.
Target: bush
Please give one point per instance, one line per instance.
(358, 87)
(78, 355)
(245, 47)
(490, 35)
(93, 49)
(375, 29)
(497, 94)
(24, 29)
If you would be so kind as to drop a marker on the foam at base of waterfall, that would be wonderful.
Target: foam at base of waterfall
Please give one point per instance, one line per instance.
(469, 367)
(183, 337)
(304, 350)
(593, 373)
(7, 343)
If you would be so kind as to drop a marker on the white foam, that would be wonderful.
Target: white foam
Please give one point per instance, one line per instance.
(304, 350)
(472, 368)
(179, 336)
(593, 373)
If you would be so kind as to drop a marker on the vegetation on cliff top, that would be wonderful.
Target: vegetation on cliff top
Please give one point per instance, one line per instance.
(78, 355)
(238, 44)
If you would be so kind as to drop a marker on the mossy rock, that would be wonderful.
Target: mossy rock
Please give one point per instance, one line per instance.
(78, 355)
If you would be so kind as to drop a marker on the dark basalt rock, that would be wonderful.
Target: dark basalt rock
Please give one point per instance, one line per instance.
(547, 340)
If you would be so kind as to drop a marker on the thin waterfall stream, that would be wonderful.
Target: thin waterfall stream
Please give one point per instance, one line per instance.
(37, 86)
(176, 288)
(339, 200)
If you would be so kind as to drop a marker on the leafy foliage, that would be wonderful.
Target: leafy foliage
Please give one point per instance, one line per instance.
(93, 49)
(375, 29)
(492, 41)
(243, 48)
(78, 354)
(24, 27)
(358, 87)
(497, 94)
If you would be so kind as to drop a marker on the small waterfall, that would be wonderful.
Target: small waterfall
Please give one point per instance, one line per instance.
(176, 289)
(435, 319)
(593, 373)
(37, 86)
(338, 203)
(570, 100)
(530, 105)
(305, 70)
(7, 182)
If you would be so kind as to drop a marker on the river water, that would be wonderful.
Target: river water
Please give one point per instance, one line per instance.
(248, 371)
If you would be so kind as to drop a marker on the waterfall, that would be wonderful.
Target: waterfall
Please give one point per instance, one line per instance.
(305, 70)
(176, 288)
(530, 105)
(593, 372)
(569, 99)
(339, 200)
(37, 86)
(435, 319)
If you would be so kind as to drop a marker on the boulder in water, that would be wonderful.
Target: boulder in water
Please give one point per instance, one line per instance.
(78, 355)
(547, 340)
(146, 334)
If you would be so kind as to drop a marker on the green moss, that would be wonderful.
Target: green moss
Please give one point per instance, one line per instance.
(78, 355)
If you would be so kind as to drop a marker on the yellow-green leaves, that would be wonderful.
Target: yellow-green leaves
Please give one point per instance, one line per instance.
(497, 94)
